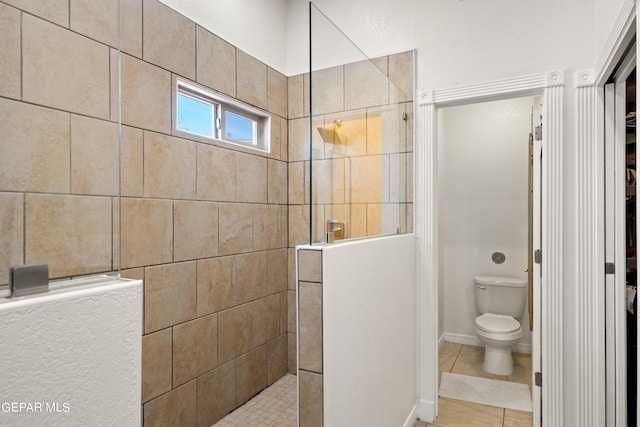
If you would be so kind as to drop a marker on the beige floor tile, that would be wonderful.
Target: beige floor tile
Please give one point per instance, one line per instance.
(421, 424)
(445, 362)
(517, 419)
(469, 362)
(521, 368)
(451, 348)
(452, 413)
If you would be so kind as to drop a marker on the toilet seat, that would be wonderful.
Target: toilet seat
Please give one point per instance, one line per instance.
(497, 323)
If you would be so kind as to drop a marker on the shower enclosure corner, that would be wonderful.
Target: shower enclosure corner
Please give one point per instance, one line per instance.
(359, 166)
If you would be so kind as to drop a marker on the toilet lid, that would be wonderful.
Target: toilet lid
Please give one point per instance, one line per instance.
(497, 323)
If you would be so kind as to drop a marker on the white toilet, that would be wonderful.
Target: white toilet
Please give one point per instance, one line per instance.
(500, 302)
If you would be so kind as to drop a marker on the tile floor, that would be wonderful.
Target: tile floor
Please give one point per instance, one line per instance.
(467, 360)
(276, 405)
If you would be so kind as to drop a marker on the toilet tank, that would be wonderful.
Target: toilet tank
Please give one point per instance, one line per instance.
(500, 295)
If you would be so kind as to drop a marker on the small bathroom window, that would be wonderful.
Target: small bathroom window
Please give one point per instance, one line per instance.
(212, 116)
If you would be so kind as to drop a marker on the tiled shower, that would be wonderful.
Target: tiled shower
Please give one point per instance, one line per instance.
(93, 180)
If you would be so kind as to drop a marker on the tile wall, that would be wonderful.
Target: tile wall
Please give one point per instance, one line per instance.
(210, 228)
(205, 225)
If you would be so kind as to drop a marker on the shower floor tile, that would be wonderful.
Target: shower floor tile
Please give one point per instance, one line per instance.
(274, 406)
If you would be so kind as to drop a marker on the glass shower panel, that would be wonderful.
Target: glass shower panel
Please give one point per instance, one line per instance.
(359, 166)
(60, 153)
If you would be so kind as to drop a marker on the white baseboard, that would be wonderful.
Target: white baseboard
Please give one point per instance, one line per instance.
(411, 418)
(472, 340)
(441, 342)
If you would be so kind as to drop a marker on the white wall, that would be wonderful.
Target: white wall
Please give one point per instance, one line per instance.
(257, 27)
(606, 14)
(458, 42)
(369, 332)
(483, 156)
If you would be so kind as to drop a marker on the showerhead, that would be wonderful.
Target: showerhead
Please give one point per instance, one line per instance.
(330, 134)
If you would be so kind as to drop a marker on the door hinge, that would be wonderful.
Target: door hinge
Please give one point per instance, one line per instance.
(537, 256)
(538, 379)
(609, 268)
(538, 132)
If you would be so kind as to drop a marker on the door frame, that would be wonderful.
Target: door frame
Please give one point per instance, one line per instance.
(551, 86)
(618, 59)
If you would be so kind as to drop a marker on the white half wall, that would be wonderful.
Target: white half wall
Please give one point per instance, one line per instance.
(369, 332)
(483, 201)
(72, 356)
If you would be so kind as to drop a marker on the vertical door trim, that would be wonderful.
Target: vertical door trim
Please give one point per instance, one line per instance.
(590, 260)
(552, 86)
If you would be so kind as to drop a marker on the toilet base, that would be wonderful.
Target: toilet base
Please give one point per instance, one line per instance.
(497, 360)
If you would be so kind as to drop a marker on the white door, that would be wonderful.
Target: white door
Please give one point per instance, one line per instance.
(617, 194)
(536, 361)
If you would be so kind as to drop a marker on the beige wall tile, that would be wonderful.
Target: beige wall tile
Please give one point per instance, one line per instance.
(277, 182)
(216, 284)
(409, 127)
(299, 224)
(328, 181)
(251, 178)
(216, 173)
(292, 304)
(156, 364)
(163, 30)
(310, 265)
(195, 348)
(291, 282)
(401, 72)
(34, 154)
(56, 11)
(235, 334)
(328, 90)
(277, 92)
(292, 353)
(277, 270)
(195, 228)
(12, 236)
(284, 315)
(134, 273)
(252, 80)
(169, 167)
(374, 130)
(131, 27)
(276, 359)
(350, 137)
(275, 148)
(96, 19)
(146, 91)
(147, 232)
(176, 408)
(266, 319)
(169, 295)
(132, 152)
(10, 52)
(94, 156)
(365, 183)
(252, 374)
(310, 399)
(64, 70)
(374, 219)
(296, 183)
(216, 394)
(269, 227)
(299, 140)
(252, 276)
(216, 62)
(365, 86)
(70, 233)
(310, 326)
(295, 96)
(235, 228)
